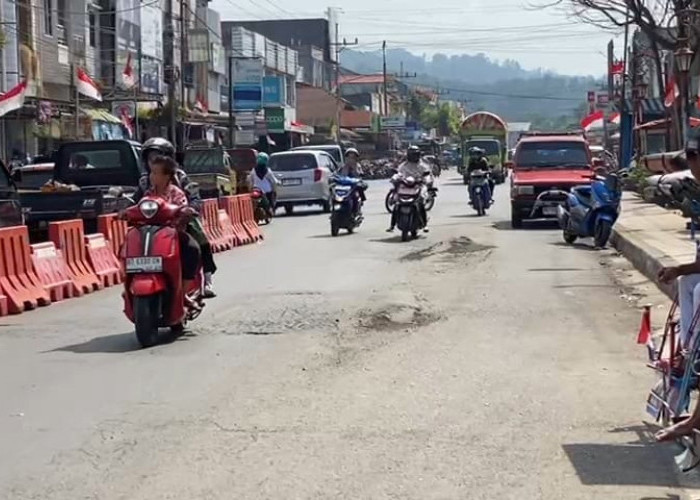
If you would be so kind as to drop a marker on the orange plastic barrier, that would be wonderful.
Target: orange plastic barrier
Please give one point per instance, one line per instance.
(248, 214)
(69, 237)
(19, 284)
(4, 308)
(226, 226)
(114, 230)
(231, 205)
(212, 228)
(102, 259)
(53, 271)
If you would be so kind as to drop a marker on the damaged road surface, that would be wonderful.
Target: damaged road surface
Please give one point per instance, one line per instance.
(475, 362)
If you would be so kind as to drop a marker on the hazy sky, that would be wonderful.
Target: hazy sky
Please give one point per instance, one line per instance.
(502, 29)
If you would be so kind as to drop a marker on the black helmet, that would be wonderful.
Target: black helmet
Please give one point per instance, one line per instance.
(413, 154)
(158, 144)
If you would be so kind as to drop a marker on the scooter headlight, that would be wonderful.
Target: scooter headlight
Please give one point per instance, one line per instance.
(148, 208)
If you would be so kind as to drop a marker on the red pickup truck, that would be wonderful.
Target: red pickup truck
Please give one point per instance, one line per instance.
(545, 167)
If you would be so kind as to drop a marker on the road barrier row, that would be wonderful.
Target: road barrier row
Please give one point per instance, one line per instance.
(72, 263)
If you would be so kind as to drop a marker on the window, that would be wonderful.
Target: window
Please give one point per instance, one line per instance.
(292, 163)
(48, 18)
(92, 19)
(555, 154)
(491, 147)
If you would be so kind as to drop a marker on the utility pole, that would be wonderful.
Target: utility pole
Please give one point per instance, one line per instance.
(170, 56)
(231, 119)
(386, 95)
(338, 46)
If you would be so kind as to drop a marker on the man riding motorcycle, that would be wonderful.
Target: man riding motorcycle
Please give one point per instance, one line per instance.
(478, 161)
(412, 167)
(150, 150)
(352, 168)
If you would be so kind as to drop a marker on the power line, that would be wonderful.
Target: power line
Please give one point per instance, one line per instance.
(501, 94)
(80, 13)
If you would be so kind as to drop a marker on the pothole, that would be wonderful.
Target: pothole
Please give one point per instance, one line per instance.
(454, 247)
(398, 317)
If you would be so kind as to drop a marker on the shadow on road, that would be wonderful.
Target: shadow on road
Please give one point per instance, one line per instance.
(118, 344)
(630, 464)
(575, 246)
(392, 239)
(535, 225)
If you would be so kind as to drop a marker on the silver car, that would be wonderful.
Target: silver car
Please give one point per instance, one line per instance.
(334, 150)
(304, 177)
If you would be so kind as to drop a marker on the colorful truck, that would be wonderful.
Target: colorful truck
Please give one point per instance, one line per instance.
(490, 133)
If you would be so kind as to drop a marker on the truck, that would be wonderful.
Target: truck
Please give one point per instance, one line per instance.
(88, 180)
(210, 168)
(490, 133)
(545, 166)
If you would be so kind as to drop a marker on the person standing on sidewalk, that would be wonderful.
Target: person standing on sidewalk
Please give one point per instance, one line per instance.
(688, 279)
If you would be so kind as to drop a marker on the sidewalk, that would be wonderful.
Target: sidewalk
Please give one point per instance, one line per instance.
(651, 237)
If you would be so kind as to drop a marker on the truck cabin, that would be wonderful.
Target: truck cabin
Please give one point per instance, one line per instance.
(99, 163)
(206, 161)
(492, 147)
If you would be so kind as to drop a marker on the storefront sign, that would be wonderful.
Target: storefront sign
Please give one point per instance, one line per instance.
(274, 90)
(393, 122)
(247, 84)
(275, 120)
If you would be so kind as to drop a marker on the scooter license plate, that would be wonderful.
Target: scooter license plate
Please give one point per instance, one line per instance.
(549, 210)
(136, 265)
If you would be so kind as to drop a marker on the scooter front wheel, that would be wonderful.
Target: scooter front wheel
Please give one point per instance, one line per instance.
(603, 230)
(146, 318)
(569, 237)
(389, 201)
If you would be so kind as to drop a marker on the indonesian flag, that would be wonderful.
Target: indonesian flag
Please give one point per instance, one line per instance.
(128, 79)
(127, 121)
(201, 105)
(672, 92)
(615, 118)
(594, 120)
(617, 68)
(13, 98)
(87, 86)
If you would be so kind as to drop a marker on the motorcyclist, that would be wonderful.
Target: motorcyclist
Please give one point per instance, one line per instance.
(352, 168)
(478, 161)
(264, 179)
(159, 146)
(412, 167)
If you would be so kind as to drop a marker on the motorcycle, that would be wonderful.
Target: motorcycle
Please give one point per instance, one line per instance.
(346, 209)
(263, 211)
(408, 198)
(153, 291)
(479, 191)
(428, 192)
(591, 210)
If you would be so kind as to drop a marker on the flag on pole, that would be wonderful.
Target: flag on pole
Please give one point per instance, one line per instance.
(617, 68)
(13, 98)
(594, 120)
(615, 118)
(87, 86)
(127, 121)
(128, 78)
(201, 106)
(672, 92)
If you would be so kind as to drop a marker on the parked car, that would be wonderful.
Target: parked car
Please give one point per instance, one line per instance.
(334, 150)
(304, 176)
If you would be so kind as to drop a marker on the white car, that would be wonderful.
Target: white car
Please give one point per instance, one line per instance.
(304, 177)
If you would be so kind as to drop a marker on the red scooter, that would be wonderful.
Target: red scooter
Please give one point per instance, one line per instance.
(153, 292)
(263, 211)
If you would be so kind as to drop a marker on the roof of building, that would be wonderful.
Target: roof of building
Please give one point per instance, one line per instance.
(363, 79)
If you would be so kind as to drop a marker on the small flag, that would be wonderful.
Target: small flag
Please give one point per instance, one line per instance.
(615, 118)
(201, 105)
(672, 92)
(617, 68)
(13, 98)
(594, 120)
(127, 121)
(87, 86)
(128, 79)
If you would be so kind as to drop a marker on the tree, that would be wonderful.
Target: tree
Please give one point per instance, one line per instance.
(445, 118)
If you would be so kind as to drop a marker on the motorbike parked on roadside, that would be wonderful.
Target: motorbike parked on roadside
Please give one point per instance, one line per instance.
(591, 210)
(264, 211)
(153, 290)
(479, 191)
(346, 207)
(407, 207)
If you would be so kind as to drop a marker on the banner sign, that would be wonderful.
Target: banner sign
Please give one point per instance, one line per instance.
(247, 88)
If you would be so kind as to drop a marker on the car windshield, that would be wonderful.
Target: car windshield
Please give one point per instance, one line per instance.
(334, 151)
(491, 147)
(204, 162)
(292, 163)
(555, 154)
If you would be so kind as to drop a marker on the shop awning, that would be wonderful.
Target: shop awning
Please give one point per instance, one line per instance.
(100, 115)
(660, 124)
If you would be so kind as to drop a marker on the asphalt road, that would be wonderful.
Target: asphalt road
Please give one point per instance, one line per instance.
(476, 362)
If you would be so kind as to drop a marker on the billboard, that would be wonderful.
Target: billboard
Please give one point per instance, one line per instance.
(247, 85)
(274, 92)
(151, 63)
(393, 122)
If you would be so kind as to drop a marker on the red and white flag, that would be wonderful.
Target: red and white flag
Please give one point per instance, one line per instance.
(201, 106)
(87, 86)
(672, 92)
(128, 78)
(617, 68)
(127, 121)
(615, 118)
(13, 98)
(594, 120)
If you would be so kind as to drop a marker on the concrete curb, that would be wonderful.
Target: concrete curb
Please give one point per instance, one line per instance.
(647, 259)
